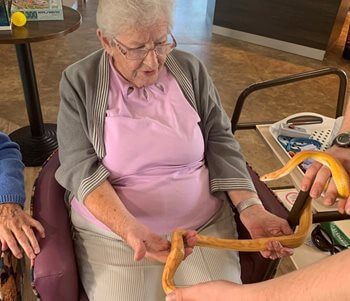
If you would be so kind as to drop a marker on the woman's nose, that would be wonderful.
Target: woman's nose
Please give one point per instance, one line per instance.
(151, 58)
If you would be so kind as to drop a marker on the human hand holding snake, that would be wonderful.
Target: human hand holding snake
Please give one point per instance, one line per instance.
(341, 180)
(317, 176)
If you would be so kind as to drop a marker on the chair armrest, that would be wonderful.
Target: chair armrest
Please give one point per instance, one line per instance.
(55, 275)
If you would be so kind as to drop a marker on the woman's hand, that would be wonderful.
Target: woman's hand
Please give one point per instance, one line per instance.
(147, 244)
(210, 291)
(261, 223)
(317, 176)
(16, 227)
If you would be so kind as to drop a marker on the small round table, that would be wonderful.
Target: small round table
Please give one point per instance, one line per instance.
(38, 140)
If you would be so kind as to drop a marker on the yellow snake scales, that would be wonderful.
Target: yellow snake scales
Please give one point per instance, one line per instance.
(341, 180)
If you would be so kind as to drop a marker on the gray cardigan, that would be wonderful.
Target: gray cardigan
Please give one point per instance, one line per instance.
(80, 128)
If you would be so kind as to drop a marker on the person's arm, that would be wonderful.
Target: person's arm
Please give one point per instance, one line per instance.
(323, 281)
(16, 226)
(317, 176)
(11, 172)
(80, 170)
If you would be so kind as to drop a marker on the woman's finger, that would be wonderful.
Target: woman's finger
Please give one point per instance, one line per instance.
(156, 243)
(188, 251)
(11, 242)
(32, 239)
(275, 253)
(190, 238)
(158, 256)
(266, 254)
(38, 227)
(23, 241)
(4, 245)
(278, 251)
(287, 252)
(139, 250)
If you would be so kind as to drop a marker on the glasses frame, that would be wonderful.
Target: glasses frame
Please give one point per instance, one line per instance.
(327, 243)
(127, 49)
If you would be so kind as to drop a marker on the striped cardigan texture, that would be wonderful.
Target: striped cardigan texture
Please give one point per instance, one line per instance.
(84, 93)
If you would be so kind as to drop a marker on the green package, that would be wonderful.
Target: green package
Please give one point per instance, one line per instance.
(339, 237)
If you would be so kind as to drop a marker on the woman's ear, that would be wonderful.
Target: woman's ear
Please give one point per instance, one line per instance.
(105, 42)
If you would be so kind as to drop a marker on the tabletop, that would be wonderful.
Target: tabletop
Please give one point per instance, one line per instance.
(296, 175)
(36, 31)
(304, 255)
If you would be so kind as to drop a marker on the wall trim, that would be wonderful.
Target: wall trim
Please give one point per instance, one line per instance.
(314, 53)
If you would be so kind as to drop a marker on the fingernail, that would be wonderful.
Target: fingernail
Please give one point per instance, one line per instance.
(303, 187)
(170, 297)
(314, 193)
(348, 211)
(37, 251)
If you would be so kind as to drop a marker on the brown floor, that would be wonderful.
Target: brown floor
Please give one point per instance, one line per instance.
(233, 65)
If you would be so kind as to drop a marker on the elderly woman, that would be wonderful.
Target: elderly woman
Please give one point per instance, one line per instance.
(146, 147)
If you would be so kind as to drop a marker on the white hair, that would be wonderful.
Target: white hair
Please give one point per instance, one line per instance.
(116, 16)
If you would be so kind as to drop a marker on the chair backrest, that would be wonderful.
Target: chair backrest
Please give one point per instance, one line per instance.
(55, 275)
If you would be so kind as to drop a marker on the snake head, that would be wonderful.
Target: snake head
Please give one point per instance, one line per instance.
(339, 174)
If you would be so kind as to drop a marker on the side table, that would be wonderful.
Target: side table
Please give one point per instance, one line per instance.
(38, 140)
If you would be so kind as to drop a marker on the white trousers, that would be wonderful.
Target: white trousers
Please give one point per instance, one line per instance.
(109, 273)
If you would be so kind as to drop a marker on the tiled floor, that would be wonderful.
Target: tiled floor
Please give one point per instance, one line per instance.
(233, 65)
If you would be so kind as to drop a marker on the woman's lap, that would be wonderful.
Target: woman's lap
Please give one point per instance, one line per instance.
(109, 272)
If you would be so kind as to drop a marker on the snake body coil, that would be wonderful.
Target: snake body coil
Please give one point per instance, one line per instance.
(342, 182)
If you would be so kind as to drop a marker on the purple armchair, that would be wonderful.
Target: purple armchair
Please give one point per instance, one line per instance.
(55, 275)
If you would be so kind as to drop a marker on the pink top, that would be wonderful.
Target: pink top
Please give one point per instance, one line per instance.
(155, 153)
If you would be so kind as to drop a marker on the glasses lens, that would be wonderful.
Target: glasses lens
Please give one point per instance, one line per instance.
(163, 49)
(136, 54)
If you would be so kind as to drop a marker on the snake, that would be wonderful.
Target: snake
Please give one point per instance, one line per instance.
(342, 183)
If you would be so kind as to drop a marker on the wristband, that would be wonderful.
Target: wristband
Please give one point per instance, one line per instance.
(247, 203)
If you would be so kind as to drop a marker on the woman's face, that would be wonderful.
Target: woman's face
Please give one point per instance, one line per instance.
(140, 72)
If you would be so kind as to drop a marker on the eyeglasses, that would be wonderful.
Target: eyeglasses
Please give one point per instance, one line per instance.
(141, 53)
(324, 242)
